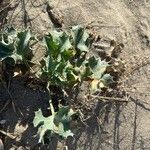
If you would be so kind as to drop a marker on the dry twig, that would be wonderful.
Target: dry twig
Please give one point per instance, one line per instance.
(10, 135)
(110, 98)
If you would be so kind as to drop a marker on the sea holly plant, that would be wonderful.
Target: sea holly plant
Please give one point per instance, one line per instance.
(56, 67)
(15, 48)
(64, 56)
(65, 65)
(57, 123)
(66, 62)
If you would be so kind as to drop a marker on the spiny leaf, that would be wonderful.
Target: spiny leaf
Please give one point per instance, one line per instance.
(16, 45)
(107, 79)
(56, 43)
(63, 39)
(58, 123)
(9, 35)
(80, 39)
(63, 132)
(23, 41)
(43, 123)
(52, 46)
(63, 115)
(98, 67)
(7, 43)
(6, 50)
(100, 78)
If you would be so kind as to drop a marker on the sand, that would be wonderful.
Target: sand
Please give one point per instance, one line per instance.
(126, 126)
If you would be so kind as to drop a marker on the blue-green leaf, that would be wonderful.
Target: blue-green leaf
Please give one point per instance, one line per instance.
(58, 123)
(80, 39)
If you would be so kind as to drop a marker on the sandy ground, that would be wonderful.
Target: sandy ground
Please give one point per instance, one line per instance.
(121, 127)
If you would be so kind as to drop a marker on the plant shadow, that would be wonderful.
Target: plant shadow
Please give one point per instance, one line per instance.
(111, 124)
(18, 110)
(112, 127)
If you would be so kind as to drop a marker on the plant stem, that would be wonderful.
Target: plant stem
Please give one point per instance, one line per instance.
(110, 98)
(50, 100)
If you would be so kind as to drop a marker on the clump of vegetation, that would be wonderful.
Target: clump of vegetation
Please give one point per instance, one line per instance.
(15, 52)
(58, 123)
(66, 64)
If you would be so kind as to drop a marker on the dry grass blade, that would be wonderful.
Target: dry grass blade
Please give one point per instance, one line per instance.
(10, 135)
(110, 98)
